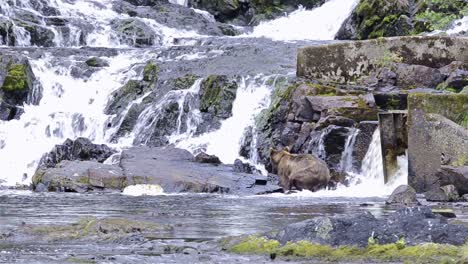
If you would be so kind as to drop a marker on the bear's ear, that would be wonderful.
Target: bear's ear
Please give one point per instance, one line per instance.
(287, 149)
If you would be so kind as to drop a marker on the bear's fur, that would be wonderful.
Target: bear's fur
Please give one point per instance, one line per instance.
(302, 171)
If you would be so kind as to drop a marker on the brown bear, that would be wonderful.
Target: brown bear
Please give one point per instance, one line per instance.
(302, 171)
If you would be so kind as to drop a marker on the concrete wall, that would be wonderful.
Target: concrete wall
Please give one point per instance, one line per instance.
(437, 134)
(347, 61)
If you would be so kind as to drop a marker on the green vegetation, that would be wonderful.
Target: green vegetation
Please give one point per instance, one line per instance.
(398, 251)
(16, 78)
(386, 18)
(150, 72)
(218, 93)
(185, 82)
(92, 62)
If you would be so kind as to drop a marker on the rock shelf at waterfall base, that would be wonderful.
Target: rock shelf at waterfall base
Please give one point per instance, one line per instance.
(233, 131)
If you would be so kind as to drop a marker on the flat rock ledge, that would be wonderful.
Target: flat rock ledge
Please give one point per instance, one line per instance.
(175, 170)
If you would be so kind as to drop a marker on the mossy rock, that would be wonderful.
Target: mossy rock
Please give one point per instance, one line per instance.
(217, 95)
(150, 72)
(184, 82)
(16, 79)
(396, 252)
(92, 228)
(96, 62)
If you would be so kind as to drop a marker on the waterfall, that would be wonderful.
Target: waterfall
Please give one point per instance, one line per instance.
(322, 23)
(369, 182)
(69, 108)
(253, 95)
(347, 156)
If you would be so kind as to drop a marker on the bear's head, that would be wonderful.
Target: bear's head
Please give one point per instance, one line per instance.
(277, 155)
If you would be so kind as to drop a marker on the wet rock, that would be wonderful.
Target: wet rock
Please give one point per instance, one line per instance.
(79, 149)
(242, 167)
(96, 62)
(457, 176)
(217, 94)
(417, 76)
(178, 173)
(134, 32)
(447, 193)
(363, 141)
(404, 195)
(79, 176)
(377, 18)
(18, 86)
(416, 225)
(205, 158)
(334, 120)
(445, 212)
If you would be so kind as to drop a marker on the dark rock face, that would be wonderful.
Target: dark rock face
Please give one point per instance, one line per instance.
(362, 142)
(250, 12)
(416, 225)
(205, 158)
(134, 32)
(447, 193)
(79, 149)
(242, 167)
(173, 169)
(403, 195)
(217, 94)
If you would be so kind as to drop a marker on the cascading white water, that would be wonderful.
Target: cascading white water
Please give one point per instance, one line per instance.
(369, 182)
(347, 156)
(321, 23)
(69, 108)
(460, 25)
(253, 95)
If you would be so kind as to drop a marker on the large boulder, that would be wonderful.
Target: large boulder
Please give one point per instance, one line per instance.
(416, 225)
(403, 195)
(134, 32)
(79, 176)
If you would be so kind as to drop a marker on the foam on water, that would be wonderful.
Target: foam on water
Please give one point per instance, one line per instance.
(69, 108)
(321, 23)
(143, 190)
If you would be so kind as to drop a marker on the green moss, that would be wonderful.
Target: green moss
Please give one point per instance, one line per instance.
(396, 252)
(255, 245)
(451, 106)
(185, 82)
(150, 72)
(93, 228)
(92, 62)
(16, 78)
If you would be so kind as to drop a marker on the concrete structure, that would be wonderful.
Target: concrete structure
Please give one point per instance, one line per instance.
(393, 139)
(346, 62)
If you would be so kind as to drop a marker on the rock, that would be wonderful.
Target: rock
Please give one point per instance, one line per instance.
(447, 193)
(18, 86)
(242, 167)
(134, 32)
(96, 62)
(377, 18)
(404, 195)
(178, 173)
(436, 129)
(217, 94)
(362, 142)
(79, 149)
(79, 176)
(445, 212)
(456, 176)
(205, 158)
(417, 76)
(416, 225)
